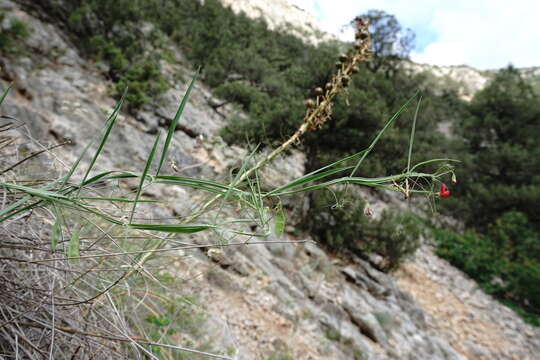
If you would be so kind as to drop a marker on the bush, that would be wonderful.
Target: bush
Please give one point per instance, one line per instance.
(143, 80)
(12, 35)
(502, 153)
(343, 228)
(505, 262)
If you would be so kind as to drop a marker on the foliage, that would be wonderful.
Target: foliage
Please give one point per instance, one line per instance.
(505, 262)
(344, 228)
(497, 193)
(118, 35)
(391, 43)
(501, 152)
(12, 34)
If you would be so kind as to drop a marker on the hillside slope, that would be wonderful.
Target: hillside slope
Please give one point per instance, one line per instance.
(261, 301)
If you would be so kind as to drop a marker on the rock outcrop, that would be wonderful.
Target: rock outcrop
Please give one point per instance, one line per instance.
(271, 298)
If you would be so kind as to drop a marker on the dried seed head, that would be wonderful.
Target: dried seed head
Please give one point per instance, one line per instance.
(328, 86)
(318, 91)
(309, 103)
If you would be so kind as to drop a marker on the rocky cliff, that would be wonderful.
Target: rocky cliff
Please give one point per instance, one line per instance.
(262, 301)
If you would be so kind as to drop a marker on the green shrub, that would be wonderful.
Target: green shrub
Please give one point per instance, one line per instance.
(343, 228)
(12, 35)
(505, 262)
(144, 80)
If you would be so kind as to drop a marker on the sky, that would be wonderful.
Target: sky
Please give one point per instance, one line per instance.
(484, 34)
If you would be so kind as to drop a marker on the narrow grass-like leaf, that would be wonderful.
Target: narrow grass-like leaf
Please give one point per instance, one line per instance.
(56, 234)
(380, 133)
(108, 127)
(174, 122)
(307, 179)
(173, 228)
(113, 199)
(413, 131)
(13, 211)
(4, 94)
(310, 177)
(237, 179)
(279, 221)
(432, 161)
(372, 182)
(44, 194)
(259, 235)
(73, 250)
(143, 176)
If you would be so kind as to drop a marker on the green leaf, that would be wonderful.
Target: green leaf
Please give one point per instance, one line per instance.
(174, 122)
(74, 245)
(109, 124)
(4, 94)
(56, 232)
(279, 222)
(143, 177)
(173, 228)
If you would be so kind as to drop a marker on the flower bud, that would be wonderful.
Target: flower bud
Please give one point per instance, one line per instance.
(444, 192)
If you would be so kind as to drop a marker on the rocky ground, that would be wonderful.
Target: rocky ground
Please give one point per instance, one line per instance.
(270, 299)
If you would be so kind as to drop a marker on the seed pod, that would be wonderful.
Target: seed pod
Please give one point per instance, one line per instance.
(343, 57)
(354, 69)
(328, 86)
(309, 103)
(338, 65)
(346, 80)
(319, 91)
(362, 36)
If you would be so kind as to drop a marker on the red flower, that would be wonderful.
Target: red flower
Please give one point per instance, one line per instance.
(444, 193)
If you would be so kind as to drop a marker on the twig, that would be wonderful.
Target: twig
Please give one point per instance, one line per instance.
(36, 153)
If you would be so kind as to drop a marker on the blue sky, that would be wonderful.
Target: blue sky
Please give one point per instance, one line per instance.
(485, 34)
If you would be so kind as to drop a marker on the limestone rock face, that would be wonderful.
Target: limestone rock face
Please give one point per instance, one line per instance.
(269, 298)
(282, 15)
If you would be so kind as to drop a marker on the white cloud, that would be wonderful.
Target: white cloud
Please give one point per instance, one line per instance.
(482, 33)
